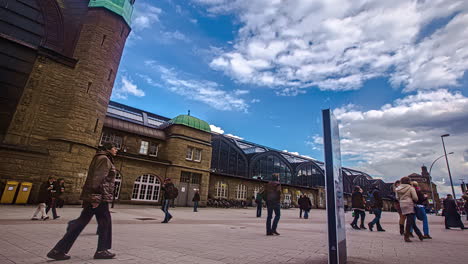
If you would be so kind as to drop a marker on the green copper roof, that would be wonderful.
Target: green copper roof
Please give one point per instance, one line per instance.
(191, 121)
(123, 8)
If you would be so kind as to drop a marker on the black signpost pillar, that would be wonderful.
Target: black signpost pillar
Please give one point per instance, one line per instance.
(334, 188)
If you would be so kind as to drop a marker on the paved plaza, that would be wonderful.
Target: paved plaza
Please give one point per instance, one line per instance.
(216, 236)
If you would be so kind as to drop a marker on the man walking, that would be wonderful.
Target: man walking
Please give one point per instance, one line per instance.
(300, 202)
(452, 217)
(170, 193)
(377, 205)
(52, 200)
(195, 200)
(273, 198)
(97, 193)
(358, 205)
(259, 203)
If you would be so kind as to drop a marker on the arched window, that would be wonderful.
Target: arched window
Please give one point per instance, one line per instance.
(118, 185)
(146, 188)
(309, 174)
(221, 189)
(266, 164)
(227, 157)
(241, 192)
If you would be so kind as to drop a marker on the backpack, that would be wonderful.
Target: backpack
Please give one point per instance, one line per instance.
(370, 199)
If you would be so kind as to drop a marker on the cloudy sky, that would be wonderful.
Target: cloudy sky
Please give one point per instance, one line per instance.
(395, 74)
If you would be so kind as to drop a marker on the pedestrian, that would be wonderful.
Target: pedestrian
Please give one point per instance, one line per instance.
(60, 191)
(52, 198)
(452, 217)
(273, 198)
(195, 200)
(97, 192)
(465, 199)
(259, 203)
(358, 204)
(402, 218)
(170, 193)
(300, 201)
(376, 205)
(306, 206)
(407, 196)
(42, 200)
(420, 210)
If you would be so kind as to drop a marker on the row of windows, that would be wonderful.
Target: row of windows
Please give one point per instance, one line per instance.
(149, 148)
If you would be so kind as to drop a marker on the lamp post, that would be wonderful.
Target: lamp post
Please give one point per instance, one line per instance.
(430, 179)
(448, 167)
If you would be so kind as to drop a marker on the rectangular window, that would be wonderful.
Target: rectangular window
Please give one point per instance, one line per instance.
(185, 176)
(197, 154)
(189, 153)
(144, 147)
(153, 149)
(196, 178)
(108, 137)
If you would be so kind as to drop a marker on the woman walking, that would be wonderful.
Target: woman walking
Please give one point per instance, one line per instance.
(407, 196)
(397, 207)
(359, 207)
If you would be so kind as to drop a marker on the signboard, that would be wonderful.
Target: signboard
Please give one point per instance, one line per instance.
(334, 188)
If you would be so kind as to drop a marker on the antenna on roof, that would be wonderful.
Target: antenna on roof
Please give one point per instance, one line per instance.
(188, 112)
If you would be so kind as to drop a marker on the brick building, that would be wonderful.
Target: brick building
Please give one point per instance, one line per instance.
(424, 181)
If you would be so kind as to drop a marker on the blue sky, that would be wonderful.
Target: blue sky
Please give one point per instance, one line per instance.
(395, 75)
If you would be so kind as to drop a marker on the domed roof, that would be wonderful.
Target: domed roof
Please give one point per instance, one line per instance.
(191, 121)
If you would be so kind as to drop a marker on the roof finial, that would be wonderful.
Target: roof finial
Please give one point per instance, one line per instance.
(188, 112)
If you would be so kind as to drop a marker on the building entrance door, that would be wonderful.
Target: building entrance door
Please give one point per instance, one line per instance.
(189, 183)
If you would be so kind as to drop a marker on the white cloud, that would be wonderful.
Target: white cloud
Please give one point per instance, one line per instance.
(234, 136)
(253, 101)
(340, 44)
(397, 139)
(127, 87)
(168, 37)
(144, 16)
(216, 129)
(204, 91)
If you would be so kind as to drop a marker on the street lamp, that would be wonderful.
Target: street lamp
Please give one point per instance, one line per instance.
(448, 167)
(430, 179)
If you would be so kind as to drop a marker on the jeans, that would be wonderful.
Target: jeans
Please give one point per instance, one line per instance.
(165, 209)
(195, 206)
(422, 211)
(358, 213)
(376, 220)
(272, 206)
(306, 214)
(51, 205)
(259, 209)
(75, 227)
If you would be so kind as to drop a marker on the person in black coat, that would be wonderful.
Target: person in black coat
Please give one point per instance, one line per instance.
(377, 205)
(305, 204)
(42, 200)
(300, 201)
(359, 206)
(54, 190)
(195, 200)
(452, 217)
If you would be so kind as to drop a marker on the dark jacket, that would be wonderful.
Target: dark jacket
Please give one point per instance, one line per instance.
(450, 207)
(259, 198)
(273, 192)
(196, 197)
(357, 201)
(305, 203)
(99, 185)
(421, 199)
(51, 190)
(60, 189)
(378, 203)
(169, 192)
(43, 196)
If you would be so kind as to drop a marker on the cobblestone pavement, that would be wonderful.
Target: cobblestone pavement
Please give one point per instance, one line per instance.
(215, 236)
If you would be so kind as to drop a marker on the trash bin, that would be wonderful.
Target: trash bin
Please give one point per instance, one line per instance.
(23, 193)
(9, 192)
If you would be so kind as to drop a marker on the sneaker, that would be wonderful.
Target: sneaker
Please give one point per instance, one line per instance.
(269, 234)
(362, 227)
(45, 218)
(105, 254)
(381, 230)
(34, 218)
(370, 227)
(427, 237)
(164, 222)
(355, 226)
(169, 219)
(57, 217)
(54, 254)
(275, 233)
